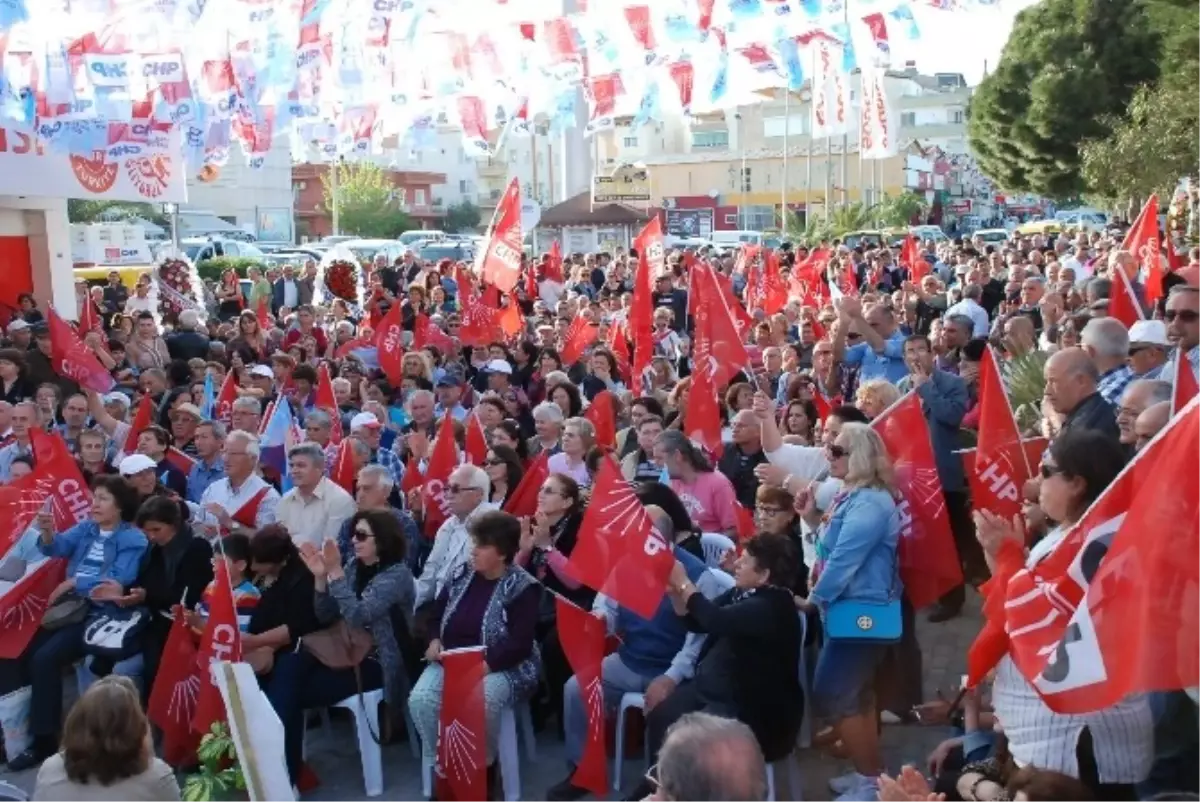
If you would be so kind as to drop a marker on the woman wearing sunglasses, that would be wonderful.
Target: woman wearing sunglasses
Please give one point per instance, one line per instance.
(504, 470)
(1119, 743)
(857, 569)
(372, 592)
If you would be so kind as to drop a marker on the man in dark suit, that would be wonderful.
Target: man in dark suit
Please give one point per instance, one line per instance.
(285, 291)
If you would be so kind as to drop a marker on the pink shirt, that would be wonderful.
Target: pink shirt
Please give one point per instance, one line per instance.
(710, 501)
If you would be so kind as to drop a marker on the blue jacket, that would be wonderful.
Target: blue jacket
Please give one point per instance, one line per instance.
(122, 553)
(944, 400)
(886, 364)
(860, 540)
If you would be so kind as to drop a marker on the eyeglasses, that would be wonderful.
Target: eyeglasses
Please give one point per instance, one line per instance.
(837, 452)
(362, 534)
(458, 489)
(1050, 470)
(761, 510)
(1185, 315)
(492, 463)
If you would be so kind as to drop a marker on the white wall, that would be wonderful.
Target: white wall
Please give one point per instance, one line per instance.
(240, 191)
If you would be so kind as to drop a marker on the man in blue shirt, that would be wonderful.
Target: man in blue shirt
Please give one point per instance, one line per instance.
(210, 465)
(881, 353)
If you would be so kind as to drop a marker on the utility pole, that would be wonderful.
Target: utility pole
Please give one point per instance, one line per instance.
(333, 193)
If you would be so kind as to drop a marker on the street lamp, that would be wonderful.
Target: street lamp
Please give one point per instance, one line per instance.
(171, 211)
(741, 175)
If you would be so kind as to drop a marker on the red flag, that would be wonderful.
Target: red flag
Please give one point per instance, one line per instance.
(22, 606)
(910, 257)
(1142, 242)
(716, 335)
(221, 641)
(412, 476)
(89, 317)
(651, 259)
(554, 265)
(501, 264)
(929, 563)
(223, 406)
(522, 502)
(998, 468)
(601, 414)
(55, 478)
(1123, 304)
(461, 770)
(619, 552)
(476, 442)
(263, 312)
(180, 461)
(1184, 381)
(466, 284)
(142, 420)
(745, 524)
(765, 289)
(480, 323)
(71, 358)
(618, 342)
(583, 638)
(362, 341)
(344, 475)
(1175, 261)
(579, 336)
(326, 401)
(1112, 610)
(425, 333)
(702, 418)
(822, 404)
(172, 704)
(387, 342)
(491, 296)
(743, 324)
(512, 322)
(442, 463)
(808, 279)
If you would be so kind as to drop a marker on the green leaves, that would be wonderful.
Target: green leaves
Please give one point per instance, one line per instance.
(463, 216)
(220, 775)
(1066, 76)
(368, 203)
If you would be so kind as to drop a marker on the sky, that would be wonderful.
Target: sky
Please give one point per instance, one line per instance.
(960, 41)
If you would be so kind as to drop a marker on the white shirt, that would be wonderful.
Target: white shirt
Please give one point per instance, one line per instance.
(1122, 735)
(291, 294)
(803, 462)
(134, 304)
(451, 550)
(221, 493)
(549, 292)
(968, 308)
(316, 518)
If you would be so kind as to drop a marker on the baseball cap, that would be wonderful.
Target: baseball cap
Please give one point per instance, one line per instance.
(1149, 332)
(451, 377)
(190, 409)
(117, 398)
(262, 370)
(498, 366)
(364, 420)
(17, 325)
(135, 464)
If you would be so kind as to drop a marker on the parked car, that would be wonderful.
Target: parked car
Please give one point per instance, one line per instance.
(200, 250)
(992, 236)
(365, 250)
(455, 252)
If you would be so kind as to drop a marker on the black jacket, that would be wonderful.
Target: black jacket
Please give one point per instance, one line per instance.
(739, 470)
(177, 572)
(187, 345)
(1095, 413)
(289, 602)
(750, 662)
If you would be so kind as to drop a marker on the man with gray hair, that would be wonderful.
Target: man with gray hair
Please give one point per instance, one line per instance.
(242, 501)
(971, 308)
(315, 508)
(463, 498)
(188, 340)
(1107, 342)
(1140, 395)
(707, 757)
(1071, 379)
(372, 492)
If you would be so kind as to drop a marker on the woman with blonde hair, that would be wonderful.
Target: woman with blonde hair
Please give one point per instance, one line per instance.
(578, 437)
(876, 395)
(107, 752)
(857, 579)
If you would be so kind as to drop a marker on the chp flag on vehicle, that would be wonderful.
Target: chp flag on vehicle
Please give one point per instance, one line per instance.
(1113, 609)
(500, 260)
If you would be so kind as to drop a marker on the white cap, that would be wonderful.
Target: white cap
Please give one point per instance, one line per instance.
(262, 370)
(498, 366)
(117, 398)
(135, 464)
(364, 420)
(17, 325)
(1149, 332)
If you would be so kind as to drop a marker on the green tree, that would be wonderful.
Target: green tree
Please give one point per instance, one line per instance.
(366, 201)
(462, 217)
(1068, 68)
(99, 211)
(900, 210)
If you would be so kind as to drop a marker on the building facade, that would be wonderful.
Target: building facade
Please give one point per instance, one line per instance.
(414, 193)
(258, 200)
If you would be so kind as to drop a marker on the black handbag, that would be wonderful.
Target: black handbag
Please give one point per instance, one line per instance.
(69, 608)
(115, 633)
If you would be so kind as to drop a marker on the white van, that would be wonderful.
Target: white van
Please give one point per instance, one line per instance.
(729, 239)
(418, 234)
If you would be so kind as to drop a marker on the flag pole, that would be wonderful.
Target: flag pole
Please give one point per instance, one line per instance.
(787, 99)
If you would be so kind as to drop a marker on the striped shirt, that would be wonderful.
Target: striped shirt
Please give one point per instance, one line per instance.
(1122, 735)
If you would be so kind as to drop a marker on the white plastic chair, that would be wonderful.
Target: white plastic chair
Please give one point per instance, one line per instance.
(630, 700)
(506, 752)
(366, 722)
(715, 546)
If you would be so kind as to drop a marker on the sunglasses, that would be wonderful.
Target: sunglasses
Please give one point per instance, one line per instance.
(492, 463)
(1050, 470)
(458, 489)
(363, 534)
(1185, 315)
(837, 452)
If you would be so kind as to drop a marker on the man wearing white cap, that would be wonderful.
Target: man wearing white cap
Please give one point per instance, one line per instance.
(367, 428)
(242, 501)
(1148, 348)
(20, 334)
(499, 374)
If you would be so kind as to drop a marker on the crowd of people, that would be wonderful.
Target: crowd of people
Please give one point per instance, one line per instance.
(717, 662)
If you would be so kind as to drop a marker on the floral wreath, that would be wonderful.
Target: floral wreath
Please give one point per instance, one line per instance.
(341, 278)
(178, 284)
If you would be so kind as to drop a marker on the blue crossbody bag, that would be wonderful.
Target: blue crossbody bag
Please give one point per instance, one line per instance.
(855, 619)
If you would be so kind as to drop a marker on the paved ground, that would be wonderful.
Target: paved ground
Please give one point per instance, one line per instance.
(944, 648)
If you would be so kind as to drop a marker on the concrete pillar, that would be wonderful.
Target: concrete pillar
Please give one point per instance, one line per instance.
(43, 221)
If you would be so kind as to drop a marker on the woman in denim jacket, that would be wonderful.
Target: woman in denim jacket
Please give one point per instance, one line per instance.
(856, 560)
(102, 554)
